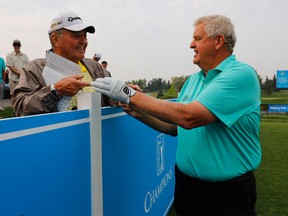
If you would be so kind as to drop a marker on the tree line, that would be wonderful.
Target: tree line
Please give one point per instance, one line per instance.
(175, 84)
(157, 84)
(165, 89)
(268, 85)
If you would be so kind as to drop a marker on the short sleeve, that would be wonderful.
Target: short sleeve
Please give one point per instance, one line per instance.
(232, 94)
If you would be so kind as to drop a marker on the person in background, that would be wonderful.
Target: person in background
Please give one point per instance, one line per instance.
(15, 62)
(2, 79)
(97, 57)
(216, 119)
(104, 64)
(68, 38)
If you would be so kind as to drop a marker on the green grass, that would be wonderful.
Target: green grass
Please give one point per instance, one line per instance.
(272, 175)
(7, 113)
(275, 100)
(280, 97)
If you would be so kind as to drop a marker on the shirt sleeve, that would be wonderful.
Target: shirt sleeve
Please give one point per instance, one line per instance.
(9, 60)
(232, 94)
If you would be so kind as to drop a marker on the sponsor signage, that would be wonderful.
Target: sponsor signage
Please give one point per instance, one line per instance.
(95, 161)
(277, 108)
(138, 166)
(282, 79)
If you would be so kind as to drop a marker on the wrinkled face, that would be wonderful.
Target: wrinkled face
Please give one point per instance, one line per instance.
(204, 48)
(71, 45)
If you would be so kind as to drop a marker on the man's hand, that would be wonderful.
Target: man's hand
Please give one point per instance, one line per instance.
(69, 86)
(114, 89)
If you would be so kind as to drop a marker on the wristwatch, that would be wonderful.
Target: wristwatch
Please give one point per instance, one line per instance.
(53, 91)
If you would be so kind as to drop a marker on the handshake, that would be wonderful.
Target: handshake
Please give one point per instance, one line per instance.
(114, 89)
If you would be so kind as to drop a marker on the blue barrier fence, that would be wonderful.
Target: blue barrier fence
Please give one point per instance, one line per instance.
(94, 161)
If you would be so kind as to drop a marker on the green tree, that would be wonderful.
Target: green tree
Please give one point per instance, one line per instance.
(178, 82)
(142, 83)
(156, 84)
(260, 80)
(267, 86)
(275, 89)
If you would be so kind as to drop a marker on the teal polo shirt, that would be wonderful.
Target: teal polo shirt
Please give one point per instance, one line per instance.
(2, 67)
(228, 147)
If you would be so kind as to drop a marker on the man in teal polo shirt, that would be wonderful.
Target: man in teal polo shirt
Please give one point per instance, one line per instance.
(217, 120)
(228, 147)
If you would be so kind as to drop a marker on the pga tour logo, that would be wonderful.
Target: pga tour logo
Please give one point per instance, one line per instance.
(160, 154)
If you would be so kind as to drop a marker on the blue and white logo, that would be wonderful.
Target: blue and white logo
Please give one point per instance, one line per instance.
(160, 148)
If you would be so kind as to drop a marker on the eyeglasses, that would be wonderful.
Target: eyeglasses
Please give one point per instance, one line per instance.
(16, 45)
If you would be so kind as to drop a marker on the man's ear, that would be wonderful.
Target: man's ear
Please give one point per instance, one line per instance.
(55, 39)
(220, 41)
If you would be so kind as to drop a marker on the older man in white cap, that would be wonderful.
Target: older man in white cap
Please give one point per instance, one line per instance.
(68, 37)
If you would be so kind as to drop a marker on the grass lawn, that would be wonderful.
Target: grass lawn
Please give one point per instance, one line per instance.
(7, 113)
(280, 97)
(272, 175)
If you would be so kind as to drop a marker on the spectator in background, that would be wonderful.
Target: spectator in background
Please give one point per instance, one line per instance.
(97, 57)
(2, 79)
(104, 64)
(15, 62)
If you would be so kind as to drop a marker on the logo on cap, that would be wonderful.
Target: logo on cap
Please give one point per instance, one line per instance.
(71, 19)
(56, 24)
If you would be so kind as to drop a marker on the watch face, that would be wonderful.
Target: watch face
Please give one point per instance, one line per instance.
(54, 92)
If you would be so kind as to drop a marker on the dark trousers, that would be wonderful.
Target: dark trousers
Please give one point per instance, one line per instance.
(196, 197)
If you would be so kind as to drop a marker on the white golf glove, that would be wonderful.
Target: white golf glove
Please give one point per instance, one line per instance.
(114, 89)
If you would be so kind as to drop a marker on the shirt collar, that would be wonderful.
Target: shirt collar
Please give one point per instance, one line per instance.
(221, 67)
(17, 53)
(226, 62)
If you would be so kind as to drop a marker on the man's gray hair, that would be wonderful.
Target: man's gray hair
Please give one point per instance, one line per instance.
(219, 24)
(59, 32)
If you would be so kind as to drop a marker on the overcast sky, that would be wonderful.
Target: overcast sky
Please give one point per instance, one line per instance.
(150, 39)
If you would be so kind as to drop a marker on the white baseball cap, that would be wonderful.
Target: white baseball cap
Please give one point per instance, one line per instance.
(97, 55)
(70, 21)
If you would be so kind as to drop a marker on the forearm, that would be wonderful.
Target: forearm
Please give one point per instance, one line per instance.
(14, 70)
(160, 109)
(154, 123)
(32, 96)
(187, 116)
(30, 103)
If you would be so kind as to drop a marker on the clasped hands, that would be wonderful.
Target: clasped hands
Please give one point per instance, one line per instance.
(111, 87)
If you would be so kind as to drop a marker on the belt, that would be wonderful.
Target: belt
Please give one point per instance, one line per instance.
(236, 179)
(241, 178)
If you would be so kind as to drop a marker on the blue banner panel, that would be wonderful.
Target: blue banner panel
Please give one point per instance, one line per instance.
(45, 167)
(277, 108)
(138, 166)
(282, 79)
